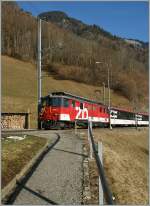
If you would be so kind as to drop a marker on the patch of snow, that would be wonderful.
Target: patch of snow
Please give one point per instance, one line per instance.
(17, 137)
(134, 42)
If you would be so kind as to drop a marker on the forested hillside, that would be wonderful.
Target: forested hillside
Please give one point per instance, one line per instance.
(71, 51)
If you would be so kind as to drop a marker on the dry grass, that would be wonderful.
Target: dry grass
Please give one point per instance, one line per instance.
(125, 156)
(16, 154)
(19, 88)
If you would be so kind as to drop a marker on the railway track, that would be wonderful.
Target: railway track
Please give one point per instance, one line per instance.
(66, 130)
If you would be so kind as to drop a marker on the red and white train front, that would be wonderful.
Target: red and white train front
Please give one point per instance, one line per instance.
(61, 110)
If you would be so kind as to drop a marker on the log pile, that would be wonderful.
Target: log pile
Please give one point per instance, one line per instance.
(13, 121)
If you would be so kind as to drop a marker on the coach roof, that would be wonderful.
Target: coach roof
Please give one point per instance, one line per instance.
(65, 94)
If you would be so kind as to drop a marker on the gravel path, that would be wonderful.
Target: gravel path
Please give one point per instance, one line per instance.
(58, 178)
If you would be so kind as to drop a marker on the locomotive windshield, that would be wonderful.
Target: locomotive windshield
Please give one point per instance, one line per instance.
(55, 101)
(51, 101)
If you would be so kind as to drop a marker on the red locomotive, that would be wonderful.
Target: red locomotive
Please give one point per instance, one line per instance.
(61, 110)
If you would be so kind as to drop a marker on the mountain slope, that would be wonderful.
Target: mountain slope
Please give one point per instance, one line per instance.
(92, 32)
(64, 21)
(72, 54)
(125, 57)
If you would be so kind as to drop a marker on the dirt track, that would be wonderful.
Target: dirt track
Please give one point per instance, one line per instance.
(125, 156)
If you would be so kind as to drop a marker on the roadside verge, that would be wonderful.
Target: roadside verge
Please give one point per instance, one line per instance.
(27, 171)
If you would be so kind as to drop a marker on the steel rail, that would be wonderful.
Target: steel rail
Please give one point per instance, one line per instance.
(107, 193)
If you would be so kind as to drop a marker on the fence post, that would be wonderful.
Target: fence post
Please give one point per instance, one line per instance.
(101, 196)
(89, 138)
(136, 121)
(28, 127)
(75, 127)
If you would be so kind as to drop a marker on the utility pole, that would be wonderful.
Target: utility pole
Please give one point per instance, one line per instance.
(39, 70)
(108, 77)
(104, 92)
(108, 84)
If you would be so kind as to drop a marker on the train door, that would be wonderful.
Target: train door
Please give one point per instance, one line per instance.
(72, 112)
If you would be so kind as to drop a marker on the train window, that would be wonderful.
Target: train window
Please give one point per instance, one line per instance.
(89, 107)
(66, 102)
(145, 117)
(81, 105)
(73, 103)
(100, 109)
(55, 102)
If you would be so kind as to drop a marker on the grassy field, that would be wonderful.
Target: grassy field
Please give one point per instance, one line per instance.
(16, 154)
(19, 88)
(125, 157)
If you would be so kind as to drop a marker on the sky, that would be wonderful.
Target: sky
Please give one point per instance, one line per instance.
(123, 18)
